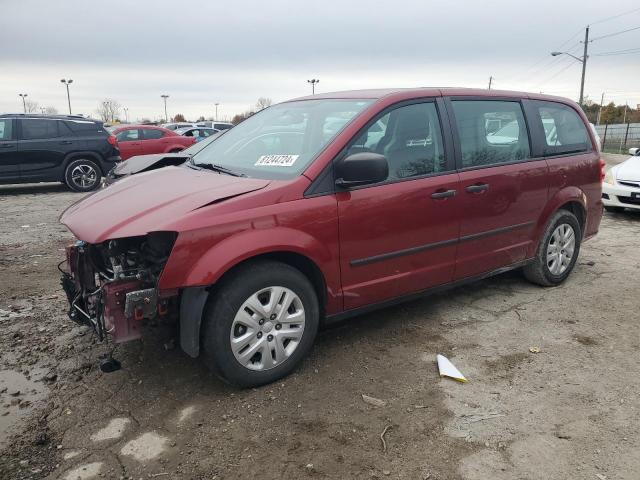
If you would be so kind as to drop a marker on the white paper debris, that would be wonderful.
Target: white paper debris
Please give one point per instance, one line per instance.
(447, 369)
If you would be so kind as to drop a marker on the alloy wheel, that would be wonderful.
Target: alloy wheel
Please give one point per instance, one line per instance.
(84, 176)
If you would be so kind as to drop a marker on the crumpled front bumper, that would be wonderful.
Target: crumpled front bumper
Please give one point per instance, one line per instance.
(110, 306)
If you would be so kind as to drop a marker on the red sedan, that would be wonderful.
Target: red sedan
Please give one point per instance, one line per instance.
(145, 139)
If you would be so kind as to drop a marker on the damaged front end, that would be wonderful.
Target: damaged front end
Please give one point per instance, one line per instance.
(112, 286)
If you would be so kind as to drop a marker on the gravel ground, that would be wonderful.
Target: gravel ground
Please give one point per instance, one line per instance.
(569, 411)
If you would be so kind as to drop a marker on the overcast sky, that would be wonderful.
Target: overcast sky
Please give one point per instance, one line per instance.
(235, 51)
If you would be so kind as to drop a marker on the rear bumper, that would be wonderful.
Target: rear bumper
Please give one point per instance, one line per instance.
(620, 196)
(108, 163)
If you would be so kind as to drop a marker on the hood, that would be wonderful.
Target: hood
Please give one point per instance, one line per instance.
(143, 163)
(151, 201)
(629, 170)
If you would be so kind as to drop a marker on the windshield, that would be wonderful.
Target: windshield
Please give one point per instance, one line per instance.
(280, 141)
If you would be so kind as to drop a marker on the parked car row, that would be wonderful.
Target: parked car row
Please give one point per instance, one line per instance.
(219, 126)
(325, 207)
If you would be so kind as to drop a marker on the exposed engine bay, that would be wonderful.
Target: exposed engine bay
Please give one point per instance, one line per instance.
(112, 286)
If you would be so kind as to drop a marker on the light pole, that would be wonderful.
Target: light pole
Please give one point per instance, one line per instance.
(24, 104)
(42, 110)
(166, 117)
(126, 114)
(313, 82)
(67, 83)
(217, 111)
(582, 60)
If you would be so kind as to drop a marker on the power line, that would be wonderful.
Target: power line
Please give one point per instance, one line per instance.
(617, 52)
(614, 34)
(615, 16)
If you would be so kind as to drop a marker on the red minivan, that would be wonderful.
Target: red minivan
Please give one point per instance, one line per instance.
(329, 206)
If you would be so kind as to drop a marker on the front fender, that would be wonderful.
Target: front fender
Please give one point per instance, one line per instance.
(561, 197)
(224, 255)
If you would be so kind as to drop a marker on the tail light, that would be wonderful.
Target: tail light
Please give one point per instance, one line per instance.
(602, 172)
(112, 140)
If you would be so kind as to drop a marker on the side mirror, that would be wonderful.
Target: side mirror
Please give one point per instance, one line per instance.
(361, 169)
(635, 152)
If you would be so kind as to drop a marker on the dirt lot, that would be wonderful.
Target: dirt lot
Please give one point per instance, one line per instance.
(570, 411)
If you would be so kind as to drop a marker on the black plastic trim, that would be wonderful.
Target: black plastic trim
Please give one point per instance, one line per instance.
(421, 248)
(337, 317)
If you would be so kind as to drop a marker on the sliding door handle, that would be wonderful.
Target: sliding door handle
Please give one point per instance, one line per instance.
(441, 194)
(477, 188)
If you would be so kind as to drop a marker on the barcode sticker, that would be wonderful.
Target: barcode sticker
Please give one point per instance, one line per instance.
(276, 160)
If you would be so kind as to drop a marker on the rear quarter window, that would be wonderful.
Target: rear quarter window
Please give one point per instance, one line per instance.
(564, 130)
(83, 126)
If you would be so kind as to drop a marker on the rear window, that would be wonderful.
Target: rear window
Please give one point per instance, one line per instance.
(83, 126)
(150, 134)
(564, 130)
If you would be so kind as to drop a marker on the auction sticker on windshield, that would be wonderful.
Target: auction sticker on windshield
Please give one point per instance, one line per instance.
(276, 160)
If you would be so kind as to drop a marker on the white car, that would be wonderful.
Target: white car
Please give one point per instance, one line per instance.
(621, 185)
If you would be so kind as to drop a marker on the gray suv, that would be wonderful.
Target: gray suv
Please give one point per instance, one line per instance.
(71, 149)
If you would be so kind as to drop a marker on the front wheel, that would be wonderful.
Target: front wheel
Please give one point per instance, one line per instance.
(557, 252)
(82, 175)
(259, 324)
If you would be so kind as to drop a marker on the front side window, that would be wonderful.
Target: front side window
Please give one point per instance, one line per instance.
(37, 129)
(151, 134)
(410, 139)
(564, 130)
(128, 135)
(279, 142)
(6, 129)
(491, 132)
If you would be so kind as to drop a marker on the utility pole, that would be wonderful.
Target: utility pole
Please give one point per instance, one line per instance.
(217, 111)
(166, 117)
(67, 83)
(490, 81)
(582, 60)
(313, 82)
(600, 110)
(585, 56)
(24, 104)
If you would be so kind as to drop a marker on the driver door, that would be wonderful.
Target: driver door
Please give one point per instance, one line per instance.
(400, 236)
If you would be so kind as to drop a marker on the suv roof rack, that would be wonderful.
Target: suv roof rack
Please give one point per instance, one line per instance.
(44, 115)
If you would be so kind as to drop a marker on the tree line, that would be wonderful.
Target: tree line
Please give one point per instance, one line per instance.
(610, 113)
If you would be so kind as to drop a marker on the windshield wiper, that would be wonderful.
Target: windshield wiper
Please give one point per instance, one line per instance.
(216, 168)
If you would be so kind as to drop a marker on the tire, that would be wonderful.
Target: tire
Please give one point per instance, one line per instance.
(545, 270)
(614, 209)
(255, 361)
(82, 175)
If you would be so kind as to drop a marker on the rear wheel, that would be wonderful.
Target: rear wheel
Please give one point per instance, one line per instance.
(557, 252)
(260, 323)
(82, 175)
(614, 209)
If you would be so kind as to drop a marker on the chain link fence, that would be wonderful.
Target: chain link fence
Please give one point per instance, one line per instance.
(619, 137)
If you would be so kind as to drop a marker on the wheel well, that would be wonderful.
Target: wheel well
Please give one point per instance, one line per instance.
(304, 264)
(578, 210)
(176, 150)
